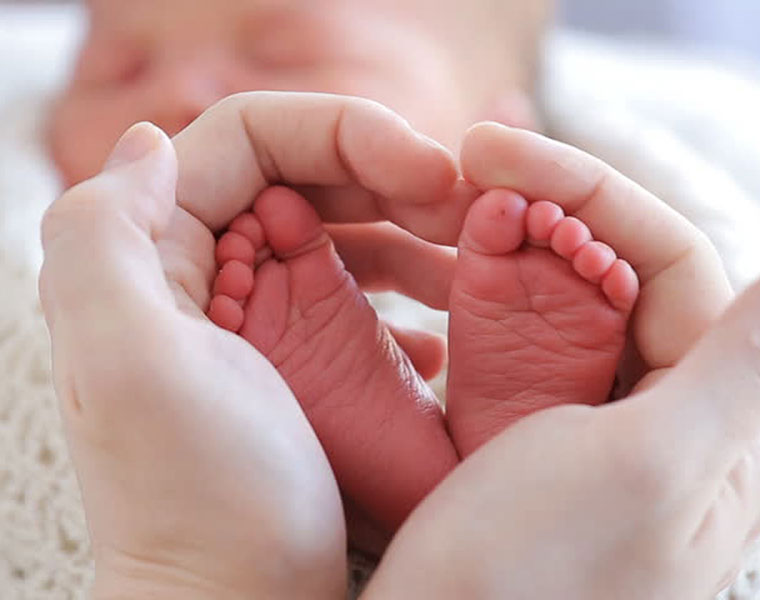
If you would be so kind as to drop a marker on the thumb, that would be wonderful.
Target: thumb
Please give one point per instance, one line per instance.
(698, 445)
(708, 407)
(101, 264)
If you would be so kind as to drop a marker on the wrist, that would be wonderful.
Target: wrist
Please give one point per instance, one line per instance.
(130, 578)
(120, 576)
(109, 588)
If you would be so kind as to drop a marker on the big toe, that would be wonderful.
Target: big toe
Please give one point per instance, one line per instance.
(297, 239)
(291, 224)
(495, 224)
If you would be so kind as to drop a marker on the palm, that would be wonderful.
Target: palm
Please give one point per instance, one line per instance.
(579, 505)
(231, 460)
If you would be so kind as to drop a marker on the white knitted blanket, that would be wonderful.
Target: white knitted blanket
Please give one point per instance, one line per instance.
(687, 130)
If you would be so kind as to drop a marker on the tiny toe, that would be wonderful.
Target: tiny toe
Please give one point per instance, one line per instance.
(621, 285)
(235, 279)
(593, 260)
(495, 223)
(226, 313)
(569, 236)
(292, 225)
(247, 225)
(234, 246)
(542, 219)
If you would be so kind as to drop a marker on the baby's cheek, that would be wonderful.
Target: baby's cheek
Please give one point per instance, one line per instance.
(81, 134)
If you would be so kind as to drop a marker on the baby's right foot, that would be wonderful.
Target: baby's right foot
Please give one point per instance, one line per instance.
(538, 316)
(379, 423)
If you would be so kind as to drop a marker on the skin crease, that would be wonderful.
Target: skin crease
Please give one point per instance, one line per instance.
(168, 61)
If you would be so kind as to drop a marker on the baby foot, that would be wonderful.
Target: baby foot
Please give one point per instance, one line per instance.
(283, 288)
(538, 316)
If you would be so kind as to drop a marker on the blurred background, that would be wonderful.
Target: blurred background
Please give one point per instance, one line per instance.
(728, 28)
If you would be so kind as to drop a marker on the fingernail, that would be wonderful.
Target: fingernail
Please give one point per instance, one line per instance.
(138, 141)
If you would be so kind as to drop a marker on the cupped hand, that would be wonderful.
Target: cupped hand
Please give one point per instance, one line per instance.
(684, 288)
(656, 496)
(187, 442)
(380, 187)
(201, 477)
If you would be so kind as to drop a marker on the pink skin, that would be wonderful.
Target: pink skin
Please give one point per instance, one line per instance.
(305, 313)
(539, 312)
(168, 61)
(371, 410)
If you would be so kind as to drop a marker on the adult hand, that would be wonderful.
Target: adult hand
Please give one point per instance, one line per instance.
(357, 162)
(365, 163)
(366, 171)
(182, 452)
(654, 497)
(201, 476)
(672, 258)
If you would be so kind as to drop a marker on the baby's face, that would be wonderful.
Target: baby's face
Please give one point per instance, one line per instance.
(166, 61)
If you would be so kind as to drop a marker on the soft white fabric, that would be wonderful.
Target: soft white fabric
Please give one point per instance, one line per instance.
(685, 130)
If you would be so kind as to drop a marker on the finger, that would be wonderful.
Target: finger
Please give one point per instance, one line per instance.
(98, 237)
(439, 222)
(427, 351)
(383, 257)
(712, 398)
(251, 141)
(684, 288)
(688, 446)
(186, 249)
(694, 434)
(697, 441)
(616, 209)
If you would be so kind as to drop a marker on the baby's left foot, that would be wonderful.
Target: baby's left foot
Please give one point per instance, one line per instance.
(379, 424)
(538, 316)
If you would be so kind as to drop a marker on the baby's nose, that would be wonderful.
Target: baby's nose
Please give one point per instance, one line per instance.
(182, 89)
